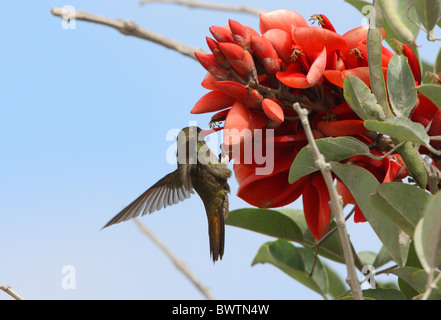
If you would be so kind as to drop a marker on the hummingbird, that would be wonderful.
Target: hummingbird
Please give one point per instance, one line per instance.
(199, 169)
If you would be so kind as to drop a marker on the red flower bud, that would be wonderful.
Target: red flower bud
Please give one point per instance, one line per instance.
(273, 110)
(221, 34)
(242, 34)
(266, 52)
(208, 61)
(240, 59)
(218, 55)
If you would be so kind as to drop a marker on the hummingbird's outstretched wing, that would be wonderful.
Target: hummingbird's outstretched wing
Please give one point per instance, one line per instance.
(166, 192)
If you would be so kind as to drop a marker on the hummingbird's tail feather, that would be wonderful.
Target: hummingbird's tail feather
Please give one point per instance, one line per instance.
(216, 230)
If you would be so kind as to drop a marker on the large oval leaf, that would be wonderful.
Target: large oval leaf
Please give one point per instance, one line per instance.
(392, 200)
(402, 129)
(333, 149)
(288, 224)
(428, 235)
(295, 262)
(361, 100)
(429, 12)
(432, 91)
(361, 183)
(270, 222)
(401, 86)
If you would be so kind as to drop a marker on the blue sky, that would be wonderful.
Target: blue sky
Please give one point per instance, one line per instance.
(84, 118)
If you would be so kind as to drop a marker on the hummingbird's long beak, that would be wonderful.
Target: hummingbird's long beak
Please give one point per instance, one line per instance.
(207, 132)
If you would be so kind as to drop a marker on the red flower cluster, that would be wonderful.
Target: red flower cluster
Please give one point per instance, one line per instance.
(254, 79)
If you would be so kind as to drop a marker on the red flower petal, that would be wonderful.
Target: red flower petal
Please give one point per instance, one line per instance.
(282, 43)
(313, 39)
(326, 24)
(238, 124)
(282, 19)
(213, 101)
(294, 76)
(317, 68)
(270, 190)
(358, 215)
(273, 110)
(342, 128)
(316, 205)
(413, 62)
(337, 77)
(233, 89)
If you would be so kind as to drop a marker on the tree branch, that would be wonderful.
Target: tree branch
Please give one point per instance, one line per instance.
(335, 203)
(209, 5)
(11, 292)
(181, 266)
(129, 28)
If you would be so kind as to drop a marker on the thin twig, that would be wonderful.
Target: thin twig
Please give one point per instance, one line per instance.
(320, 241)
(181, 266)
(209, 5)
(431, 284)
(128, 28)
(11, 292)
(335, 203)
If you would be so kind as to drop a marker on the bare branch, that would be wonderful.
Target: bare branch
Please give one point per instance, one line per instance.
(335, 203)
(128, 28)
(11, 292)
(181, 266)
(209, 5)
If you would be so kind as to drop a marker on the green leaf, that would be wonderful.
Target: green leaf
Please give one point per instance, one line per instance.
(392, 200)
(295, 262)
(359, 97)
(382, 258)
(431, 91)
(383, 294)
(428, 235)
(402, 10)
(375, 54)
(288, 224)
(367, 257)
(403, 129)
(333, 149)
(391, 15)
(361, 183)
(359, 4)
(415, 277)
(401, 86)
(429, 12)
(270, 222)
(412, 261)
(437, 67)
(413, 161)
(336, 285)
